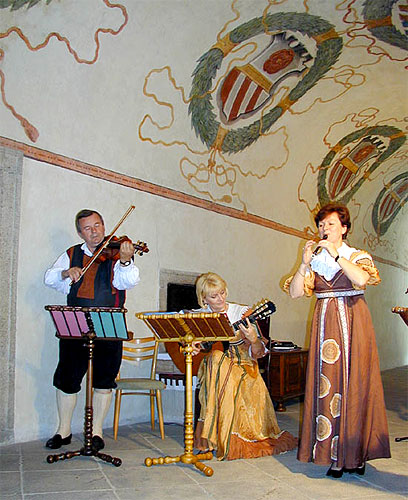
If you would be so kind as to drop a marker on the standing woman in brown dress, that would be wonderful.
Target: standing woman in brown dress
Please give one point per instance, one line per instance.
(344, 421)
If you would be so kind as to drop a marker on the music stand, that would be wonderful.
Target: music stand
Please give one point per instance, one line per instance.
(186, 328)
(89, 323)
(403, 312)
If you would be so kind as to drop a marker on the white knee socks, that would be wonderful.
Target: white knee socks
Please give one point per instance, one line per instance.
(101, 402)
(66, 405)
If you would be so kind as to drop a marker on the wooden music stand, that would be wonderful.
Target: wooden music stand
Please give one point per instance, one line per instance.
(403, 312)
(89, 323)
(187, 328)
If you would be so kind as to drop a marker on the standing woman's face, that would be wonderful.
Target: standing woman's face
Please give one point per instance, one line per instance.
(333, 228)
(216, 300)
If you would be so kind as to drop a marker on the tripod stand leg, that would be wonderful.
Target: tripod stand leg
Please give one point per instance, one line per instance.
(117, 462)
(63, 456)
(161, 460)
(204, 468)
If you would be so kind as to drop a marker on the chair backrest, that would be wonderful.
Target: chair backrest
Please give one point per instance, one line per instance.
(142, 349)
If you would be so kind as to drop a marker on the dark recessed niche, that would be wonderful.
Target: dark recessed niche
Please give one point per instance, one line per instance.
(181, 296)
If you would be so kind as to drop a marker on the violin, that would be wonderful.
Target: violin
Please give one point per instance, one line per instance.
(112, 250)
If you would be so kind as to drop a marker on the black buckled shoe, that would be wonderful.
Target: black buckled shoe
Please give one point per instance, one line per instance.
(98, 443)
(336, 473)
(57, 441)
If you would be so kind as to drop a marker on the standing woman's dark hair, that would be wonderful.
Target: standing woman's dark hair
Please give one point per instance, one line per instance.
(341, 210)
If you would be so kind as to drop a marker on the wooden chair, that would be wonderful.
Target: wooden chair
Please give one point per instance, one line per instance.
(137, 351)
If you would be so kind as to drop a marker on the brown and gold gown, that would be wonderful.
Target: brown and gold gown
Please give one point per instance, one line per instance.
(237, 418)
(344, 420)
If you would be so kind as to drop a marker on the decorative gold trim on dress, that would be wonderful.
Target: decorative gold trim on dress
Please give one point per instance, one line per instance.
(334, 448)
(325, 386)
(325, 36)
(340, 293)
(309, 284)
(256, 76)
(360, 255)
(335, 405)
(364, 260)
(330, 351)
(323, 428)
(243, 438)
(225, 44)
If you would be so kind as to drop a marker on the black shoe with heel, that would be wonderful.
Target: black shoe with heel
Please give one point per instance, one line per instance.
(336, 473)
(358, 470)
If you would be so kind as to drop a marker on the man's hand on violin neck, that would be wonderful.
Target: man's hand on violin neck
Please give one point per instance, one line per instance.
(126, 251)
(73, 273)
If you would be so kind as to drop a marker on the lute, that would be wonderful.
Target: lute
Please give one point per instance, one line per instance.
(261, 311)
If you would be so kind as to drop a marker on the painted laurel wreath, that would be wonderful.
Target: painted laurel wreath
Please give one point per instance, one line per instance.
(203, 118)
(397, 139)
(390, 200)
(18, 4)
(378, 17)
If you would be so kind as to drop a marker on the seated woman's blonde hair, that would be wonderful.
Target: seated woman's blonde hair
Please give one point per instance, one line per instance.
(208, 283)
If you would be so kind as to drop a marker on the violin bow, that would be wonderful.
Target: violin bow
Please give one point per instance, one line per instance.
(106, 242)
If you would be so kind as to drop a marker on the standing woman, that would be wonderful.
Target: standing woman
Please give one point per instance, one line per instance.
(237, 418)
(344, 421)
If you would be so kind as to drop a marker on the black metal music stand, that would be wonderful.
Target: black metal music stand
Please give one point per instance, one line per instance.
(89, 323)
(186, 328)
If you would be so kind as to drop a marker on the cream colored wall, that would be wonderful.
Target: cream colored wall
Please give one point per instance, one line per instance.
(107, 112)
(253, 260)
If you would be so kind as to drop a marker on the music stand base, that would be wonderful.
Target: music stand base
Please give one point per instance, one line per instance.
(185, 328)
(117, 462)
(186, 458)
(87, 450)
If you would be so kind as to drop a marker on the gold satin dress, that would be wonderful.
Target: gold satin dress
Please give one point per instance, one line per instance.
(237, 417)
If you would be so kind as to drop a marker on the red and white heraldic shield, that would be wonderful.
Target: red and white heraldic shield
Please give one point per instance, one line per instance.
(247, 88)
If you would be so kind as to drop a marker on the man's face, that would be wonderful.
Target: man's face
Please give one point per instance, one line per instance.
(92, 231)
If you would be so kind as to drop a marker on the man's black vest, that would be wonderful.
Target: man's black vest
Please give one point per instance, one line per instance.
(95, 288)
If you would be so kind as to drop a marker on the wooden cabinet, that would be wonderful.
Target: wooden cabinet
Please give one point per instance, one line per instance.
(285, 375)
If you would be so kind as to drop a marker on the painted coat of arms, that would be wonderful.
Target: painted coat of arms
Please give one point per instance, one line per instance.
(247, 88)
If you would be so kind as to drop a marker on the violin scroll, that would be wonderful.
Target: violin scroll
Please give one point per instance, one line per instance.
(141, 248)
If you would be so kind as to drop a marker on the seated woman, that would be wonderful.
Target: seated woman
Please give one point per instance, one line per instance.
(237, 417)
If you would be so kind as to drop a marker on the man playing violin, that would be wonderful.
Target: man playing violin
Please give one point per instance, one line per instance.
(104, 284)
